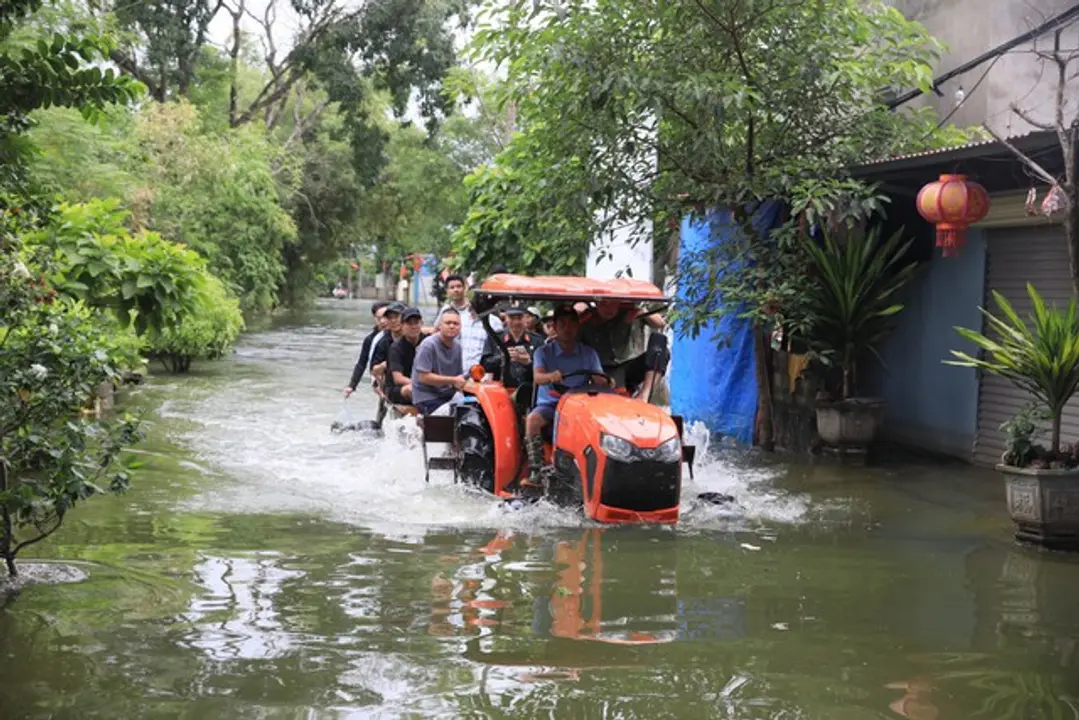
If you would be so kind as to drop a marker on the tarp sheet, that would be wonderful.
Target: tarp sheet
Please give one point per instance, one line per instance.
(712, 377)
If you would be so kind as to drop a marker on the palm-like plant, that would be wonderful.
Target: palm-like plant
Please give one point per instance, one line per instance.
(1041, 358)
(852, 301)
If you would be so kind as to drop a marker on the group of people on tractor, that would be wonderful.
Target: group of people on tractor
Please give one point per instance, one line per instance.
(607, 343)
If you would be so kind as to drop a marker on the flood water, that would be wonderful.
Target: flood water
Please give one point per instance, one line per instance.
(262, 567)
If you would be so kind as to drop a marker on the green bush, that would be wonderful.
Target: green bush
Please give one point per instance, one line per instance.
(207, 332)
(161, 294)
(141, 278)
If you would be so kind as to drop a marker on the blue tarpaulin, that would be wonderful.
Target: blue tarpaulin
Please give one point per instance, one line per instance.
(713, 376)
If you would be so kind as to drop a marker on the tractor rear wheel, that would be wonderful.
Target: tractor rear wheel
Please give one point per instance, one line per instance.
(476, 447)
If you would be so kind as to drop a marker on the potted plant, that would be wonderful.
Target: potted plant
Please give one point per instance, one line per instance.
(852, 304)
(1041, 356)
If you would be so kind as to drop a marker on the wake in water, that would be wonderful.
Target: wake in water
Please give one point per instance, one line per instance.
(263, 428)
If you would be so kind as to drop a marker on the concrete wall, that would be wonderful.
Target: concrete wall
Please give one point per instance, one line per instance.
(971, 27)
(932, 405)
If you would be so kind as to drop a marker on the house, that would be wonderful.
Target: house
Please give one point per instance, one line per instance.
(942, 408)
(958, 411)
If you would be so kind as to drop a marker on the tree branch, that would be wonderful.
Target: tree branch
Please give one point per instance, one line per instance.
(1034, 166)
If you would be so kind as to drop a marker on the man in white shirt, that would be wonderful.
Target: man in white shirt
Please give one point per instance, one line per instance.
(473, 337)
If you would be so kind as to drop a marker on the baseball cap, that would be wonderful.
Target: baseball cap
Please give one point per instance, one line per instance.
(533, 311)
(410, 312)
(564, 311)
(395, 308)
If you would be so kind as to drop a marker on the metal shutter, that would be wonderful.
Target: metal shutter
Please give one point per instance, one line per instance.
(1016, 256)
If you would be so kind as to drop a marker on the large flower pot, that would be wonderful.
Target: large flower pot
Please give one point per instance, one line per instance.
(1044, 505)
(851, 423)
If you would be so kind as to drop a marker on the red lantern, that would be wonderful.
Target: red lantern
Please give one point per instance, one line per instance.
(953, 203)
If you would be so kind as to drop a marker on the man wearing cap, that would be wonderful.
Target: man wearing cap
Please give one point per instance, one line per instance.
(532, 319)
(437, 374)
(401, 357)
(364, 361)
(520, 343)
(552, 363)
(381, 352)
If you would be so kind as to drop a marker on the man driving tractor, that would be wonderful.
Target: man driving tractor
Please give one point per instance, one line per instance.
(563, 361)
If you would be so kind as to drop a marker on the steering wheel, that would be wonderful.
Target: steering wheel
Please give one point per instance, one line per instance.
(561, 389)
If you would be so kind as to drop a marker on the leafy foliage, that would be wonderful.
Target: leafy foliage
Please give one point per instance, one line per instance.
(218, 194)
(207, 331)
(1041, 357)
(57, 70)
(515, 217)
(55, 353)
(636, 108)
(141, 277)
(852, 299)
(1022, 432)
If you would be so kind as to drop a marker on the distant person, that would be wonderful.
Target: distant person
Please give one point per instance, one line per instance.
(364, 361)
(437, 373)
(473, 337)
(548, 326)
(402, 356)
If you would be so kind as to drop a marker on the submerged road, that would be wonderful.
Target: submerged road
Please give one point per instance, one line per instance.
(264, 567)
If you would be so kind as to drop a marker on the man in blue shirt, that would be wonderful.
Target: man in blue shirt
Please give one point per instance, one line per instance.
(551, 364)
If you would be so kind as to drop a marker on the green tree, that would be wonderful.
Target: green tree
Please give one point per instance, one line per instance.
(218, 193)
(638, 106)
(57, 70)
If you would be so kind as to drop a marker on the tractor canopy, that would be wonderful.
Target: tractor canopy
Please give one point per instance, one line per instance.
(564, 289)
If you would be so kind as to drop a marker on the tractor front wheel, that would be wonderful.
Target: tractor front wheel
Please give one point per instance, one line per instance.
(476, 447)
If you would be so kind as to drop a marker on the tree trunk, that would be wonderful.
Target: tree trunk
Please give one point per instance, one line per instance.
(1071, 232)
(1055, 442)
(764, 390)
(7, 532)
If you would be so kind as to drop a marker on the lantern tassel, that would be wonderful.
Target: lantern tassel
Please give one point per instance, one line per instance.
(949, 241)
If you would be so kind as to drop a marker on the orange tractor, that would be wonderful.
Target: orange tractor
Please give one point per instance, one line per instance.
(617, 457)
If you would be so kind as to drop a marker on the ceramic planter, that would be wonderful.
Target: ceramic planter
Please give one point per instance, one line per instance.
(1044, 505)
(851, 423)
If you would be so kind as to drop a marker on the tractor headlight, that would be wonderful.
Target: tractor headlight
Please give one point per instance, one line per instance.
(670, 451)
(624, 451)
(617, 448)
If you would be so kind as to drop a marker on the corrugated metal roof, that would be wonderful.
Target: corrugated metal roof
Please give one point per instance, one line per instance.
(1024, 140)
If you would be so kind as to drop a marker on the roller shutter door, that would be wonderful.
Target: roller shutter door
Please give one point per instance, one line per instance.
(1016, 256)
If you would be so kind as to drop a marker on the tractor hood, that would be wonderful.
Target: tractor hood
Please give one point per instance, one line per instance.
(644, 425)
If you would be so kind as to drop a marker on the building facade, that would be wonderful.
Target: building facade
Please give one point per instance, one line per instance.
(931, 405)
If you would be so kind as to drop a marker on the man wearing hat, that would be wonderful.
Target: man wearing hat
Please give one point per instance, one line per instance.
(401, 356)
(520, 343)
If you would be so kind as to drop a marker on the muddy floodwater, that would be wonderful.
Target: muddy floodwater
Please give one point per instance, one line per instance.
(262, 567)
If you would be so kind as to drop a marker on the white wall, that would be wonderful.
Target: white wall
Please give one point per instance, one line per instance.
(620, 255)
